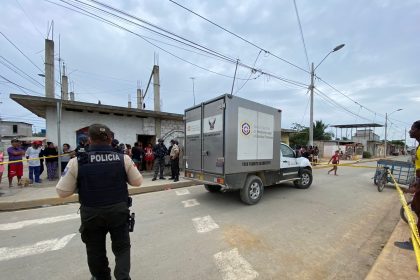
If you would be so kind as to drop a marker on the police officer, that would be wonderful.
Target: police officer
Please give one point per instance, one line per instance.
(100, 176)
(82, 147)
(159, 151)
(174, 157)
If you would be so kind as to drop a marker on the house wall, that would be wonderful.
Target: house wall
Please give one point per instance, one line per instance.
(124, 127)
(23, 129)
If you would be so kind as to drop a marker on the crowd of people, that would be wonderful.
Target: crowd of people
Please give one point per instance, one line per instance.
(41, 157)
(311, 153)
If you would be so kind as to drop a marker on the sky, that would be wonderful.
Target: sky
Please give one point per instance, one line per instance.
(376, 73)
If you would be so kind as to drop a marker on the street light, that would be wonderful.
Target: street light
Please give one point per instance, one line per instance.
(386, 129)
(193, 78)
(311, 87)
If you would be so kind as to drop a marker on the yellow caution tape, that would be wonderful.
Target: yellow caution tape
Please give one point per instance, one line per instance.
(411, 221)
(25, 159)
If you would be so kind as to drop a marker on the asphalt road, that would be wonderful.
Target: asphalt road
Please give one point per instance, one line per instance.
(333, 230)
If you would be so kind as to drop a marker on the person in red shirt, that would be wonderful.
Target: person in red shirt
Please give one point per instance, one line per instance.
(335, 159)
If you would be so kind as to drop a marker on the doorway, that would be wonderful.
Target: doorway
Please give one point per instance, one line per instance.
(146, 139)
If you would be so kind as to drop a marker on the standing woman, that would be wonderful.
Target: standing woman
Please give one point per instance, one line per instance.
(149, 157)
(51, 160)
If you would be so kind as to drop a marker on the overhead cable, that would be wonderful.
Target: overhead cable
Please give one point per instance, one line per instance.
(243, 39)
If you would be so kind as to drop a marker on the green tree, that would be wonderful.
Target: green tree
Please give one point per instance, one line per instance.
(319, 131)
(301, 136)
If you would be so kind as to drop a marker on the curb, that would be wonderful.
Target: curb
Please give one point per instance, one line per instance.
(55, 201)
(394, 263)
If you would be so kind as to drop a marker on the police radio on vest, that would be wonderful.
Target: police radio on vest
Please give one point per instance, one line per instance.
(104, 157)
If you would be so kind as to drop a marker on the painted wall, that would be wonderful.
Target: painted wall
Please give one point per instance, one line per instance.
(125, 128)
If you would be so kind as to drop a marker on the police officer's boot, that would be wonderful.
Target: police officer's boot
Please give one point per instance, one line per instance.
(176, 179)
(154, 179)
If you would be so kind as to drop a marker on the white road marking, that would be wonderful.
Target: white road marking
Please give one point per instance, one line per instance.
(49, 220)
(190, 203)
(233, 266)
(204, 224)
(182, 192)
(8, 253)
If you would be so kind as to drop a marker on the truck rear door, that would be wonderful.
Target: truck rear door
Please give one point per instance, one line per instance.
(213, 135)
(193, 139)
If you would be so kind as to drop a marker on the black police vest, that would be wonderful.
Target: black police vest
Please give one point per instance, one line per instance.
(101, 179)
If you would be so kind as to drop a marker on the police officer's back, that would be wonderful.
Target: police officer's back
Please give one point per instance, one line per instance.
(101, 177)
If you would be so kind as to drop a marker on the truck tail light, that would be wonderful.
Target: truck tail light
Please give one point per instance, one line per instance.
(220, 181)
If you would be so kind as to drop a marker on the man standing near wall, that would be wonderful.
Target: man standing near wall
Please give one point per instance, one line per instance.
(159, 151)
(174, 156)
(15, 153)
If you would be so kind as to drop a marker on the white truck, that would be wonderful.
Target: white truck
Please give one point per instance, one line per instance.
(232, 143)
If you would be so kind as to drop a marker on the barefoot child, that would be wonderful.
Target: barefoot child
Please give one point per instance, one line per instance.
(335, 159)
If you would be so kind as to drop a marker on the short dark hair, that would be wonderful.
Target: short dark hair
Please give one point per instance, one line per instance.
(65, 144)
(416, 124)
(99, 133)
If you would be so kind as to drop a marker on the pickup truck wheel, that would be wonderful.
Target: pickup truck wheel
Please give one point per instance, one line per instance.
(305, 180)
(252, 191)
(213, 188)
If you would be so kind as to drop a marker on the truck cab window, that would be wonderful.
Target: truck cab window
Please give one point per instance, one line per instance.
(286, 151)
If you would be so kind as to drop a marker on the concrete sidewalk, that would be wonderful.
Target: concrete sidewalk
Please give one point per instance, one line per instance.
(393, 262)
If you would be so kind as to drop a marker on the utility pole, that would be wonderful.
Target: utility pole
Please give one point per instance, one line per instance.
(192, 79)
(311, 88)
(311, 118)
(386, 130)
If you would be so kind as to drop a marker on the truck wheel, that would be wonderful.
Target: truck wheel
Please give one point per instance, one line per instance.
(305, 180)
(252, 191)
(213, 188)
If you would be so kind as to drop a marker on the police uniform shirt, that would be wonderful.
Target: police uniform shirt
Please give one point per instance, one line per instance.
(68, 181)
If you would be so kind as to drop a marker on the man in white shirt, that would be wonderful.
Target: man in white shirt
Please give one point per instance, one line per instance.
(32, 154)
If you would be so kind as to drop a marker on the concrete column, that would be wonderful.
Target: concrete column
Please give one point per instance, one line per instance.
(64, 87)
(72, 96)
(139, 99)
(49, 68)
(156, 88)
(158, 128)
(129, 104)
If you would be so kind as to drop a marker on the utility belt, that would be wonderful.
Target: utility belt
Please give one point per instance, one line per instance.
(131, 218)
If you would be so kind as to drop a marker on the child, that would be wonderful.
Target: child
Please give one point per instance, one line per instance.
(335, 159)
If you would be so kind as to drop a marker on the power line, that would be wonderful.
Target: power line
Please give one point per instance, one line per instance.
(243, 39)
(354, 101)
(200, 47)
(16, 69)
(136, 34)
(176, 56)
(23, 10)
(21, 52)
(301, 33)
(19, 86)
(336, 104)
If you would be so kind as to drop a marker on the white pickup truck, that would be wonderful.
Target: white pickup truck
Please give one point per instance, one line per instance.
(232, 143)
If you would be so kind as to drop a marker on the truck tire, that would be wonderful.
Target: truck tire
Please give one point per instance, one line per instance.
(305, 180)
(252, 191)
(213, 188)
